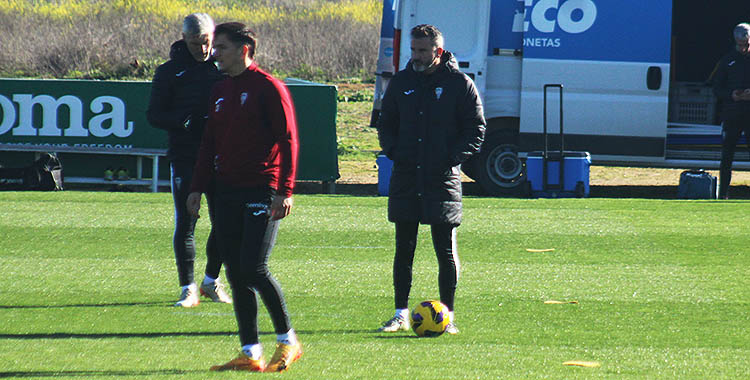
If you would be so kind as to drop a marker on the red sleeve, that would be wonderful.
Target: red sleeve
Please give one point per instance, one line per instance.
(204, 166)
(284, 128)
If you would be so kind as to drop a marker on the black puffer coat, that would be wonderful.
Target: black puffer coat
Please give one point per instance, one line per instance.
(179, 92)
(428, 126)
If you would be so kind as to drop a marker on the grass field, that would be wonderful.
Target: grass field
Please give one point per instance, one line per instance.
(661, 290)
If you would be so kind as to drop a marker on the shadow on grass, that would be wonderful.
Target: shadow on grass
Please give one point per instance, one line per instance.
(333, 331)
(402, 337)
(596, 191)
(599, 191)
(88, 374)
(117, 335)
(655, 192)
(116, 304)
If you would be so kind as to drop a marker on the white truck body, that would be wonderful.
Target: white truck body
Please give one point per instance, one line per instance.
(634, 74)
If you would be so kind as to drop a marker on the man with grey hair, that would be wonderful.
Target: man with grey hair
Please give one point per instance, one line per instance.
(179, 105)
(731, 83)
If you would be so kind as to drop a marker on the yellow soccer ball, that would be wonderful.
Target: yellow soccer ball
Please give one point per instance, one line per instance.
(430, 318)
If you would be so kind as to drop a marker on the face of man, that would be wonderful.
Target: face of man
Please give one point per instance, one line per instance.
(230, 57)
(425, 56)
(199, 46)
(743, 45)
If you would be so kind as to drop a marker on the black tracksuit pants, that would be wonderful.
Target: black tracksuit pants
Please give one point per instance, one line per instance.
(246, 235)
(732, 129)
(183, 239)
(444, 242)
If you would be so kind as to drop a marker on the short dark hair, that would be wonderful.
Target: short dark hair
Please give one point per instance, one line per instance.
(238, 33)
(428, 31)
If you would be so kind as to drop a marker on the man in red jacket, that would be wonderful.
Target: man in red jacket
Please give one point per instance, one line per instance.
(248, 157)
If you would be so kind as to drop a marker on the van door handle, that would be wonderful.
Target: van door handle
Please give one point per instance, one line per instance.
(653, 78)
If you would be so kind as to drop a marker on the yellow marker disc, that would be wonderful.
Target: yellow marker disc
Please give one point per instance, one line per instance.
(580, 363)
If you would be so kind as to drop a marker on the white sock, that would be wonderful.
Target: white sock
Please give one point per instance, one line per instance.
(207, 280)
(453, 318)
(191, 286)
(290, 338)
(254, 351)
(402, 313)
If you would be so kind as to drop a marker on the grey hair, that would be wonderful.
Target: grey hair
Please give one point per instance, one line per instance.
(742, 31)
(196, 24)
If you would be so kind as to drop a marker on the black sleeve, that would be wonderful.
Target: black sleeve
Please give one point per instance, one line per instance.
(472, 125)
(160, 113)
(720, 83)
(388, 122)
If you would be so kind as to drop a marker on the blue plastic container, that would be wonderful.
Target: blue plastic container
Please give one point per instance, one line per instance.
(385, 165)
(575, 174)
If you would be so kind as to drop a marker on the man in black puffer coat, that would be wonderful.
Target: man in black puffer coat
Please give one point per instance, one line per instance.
(179, 105)
(431, 121)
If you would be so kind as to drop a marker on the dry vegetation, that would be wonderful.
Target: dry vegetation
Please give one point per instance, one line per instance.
(127, 39)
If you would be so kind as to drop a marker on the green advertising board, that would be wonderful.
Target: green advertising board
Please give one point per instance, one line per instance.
(109, 117)
(77, 114)
(316, 107)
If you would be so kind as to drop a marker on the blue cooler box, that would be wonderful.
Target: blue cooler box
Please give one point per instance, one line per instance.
(385, 165)
(575, 176)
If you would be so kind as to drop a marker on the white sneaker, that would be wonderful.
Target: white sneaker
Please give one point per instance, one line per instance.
(188, 297)
(451, 329)
(395, 324)
(215, 291)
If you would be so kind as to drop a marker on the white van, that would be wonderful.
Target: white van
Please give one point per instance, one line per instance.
(634, 74)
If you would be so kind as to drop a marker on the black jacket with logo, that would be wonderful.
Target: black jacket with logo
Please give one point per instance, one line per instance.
(732, 73)
(428, 126)
(179, 100)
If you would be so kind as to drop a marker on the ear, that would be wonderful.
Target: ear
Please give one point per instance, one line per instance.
(245, 50)
(440, 52)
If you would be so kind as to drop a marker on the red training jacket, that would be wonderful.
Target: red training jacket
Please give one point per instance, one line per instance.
(250, 138)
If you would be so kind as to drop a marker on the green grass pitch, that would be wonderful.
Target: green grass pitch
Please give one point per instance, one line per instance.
(88, 280)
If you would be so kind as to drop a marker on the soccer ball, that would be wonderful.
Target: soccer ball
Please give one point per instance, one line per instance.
(430, 318)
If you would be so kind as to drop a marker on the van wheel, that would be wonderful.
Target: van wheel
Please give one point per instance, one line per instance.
(501, 170)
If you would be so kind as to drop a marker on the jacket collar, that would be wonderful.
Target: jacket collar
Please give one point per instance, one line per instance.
(248, 71)
(179, 52)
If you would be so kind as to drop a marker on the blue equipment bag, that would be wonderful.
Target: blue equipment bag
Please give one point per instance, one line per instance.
(697, 184)
(385, 165)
